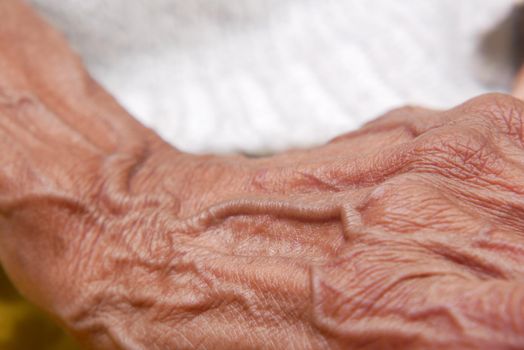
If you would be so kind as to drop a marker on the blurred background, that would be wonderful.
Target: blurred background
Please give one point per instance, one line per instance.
(260, 76)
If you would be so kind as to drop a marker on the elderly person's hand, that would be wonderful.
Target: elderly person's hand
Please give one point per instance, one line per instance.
(408, 232)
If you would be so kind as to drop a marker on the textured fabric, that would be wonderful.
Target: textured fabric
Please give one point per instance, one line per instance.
(265, 75)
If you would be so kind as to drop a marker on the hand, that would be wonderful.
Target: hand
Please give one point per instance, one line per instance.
(407, 233)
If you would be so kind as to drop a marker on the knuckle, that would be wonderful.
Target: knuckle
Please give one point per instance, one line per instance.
(464, 155)
(504, 112)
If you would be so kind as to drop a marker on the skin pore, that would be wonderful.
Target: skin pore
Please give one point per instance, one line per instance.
(406, 233)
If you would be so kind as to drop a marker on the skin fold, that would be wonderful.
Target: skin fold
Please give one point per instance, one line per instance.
(408, 233)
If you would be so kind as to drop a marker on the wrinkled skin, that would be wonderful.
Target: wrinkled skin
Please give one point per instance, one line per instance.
(406, 233)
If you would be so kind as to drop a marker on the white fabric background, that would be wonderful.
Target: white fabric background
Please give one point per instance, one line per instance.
(265, 75)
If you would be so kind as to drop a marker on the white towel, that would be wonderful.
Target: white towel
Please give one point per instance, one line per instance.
(265, 75)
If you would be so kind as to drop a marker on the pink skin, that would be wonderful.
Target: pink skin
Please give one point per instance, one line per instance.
(407, 233)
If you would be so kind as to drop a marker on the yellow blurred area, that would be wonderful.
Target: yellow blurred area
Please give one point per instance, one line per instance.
(24, 327)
